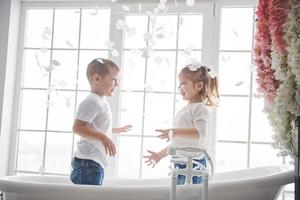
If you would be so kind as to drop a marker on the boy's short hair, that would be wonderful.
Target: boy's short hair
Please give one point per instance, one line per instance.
(100, 66)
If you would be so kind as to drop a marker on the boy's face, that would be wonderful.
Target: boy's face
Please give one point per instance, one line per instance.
(105, 86)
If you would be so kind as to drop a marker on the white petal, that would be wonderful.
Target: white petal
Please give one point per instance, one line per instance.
(115, 53)
(147, 36)
(69, 44)
(47, 31)
(126, 8)
(109, 44)
(55, 62)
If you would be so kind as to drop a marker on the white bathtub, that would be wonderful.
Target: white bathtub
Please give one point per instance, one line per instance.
(262, 183)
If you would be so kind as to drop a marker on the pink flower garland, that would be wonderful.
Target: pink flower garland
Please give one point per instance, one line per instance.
(278, 10)
(262, 53)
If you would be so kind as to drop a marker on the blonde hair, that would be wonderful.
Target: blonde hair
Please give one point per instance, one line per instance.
(100, 66)
(197, 73)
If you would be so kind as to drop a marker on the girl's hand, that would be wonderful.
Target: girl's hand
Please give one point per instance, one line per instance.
(153, 158)
(164, 134)
(122, 129)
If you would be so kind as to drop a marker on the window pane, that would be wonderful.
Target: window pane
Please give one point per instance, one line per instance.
(30, 151)
(38, 28)
(132, 111)
(168, 26)
(95, 26)
(84, 59)
(66, 37)
(61, 111)
(158, 112)
(35, 76)
(262, 155)
(261, 129)
(190, 31)
(231, 156)
(236, 28)
(129, 157)
(33, 110)
(160, 170)
(161, 74)
(232, 118)
(234, 73)
(133, 75)
(58, 152)
(140, 24)
(64, 76)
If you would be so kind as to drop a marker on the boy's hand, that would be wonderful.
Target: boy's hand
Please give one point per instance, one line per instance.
(109, 146)
(164, 134)
(153, 158)
(122, 129)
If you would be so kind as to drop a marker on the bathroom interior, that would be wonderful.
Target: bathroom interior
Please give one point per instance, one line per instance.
(47, 44)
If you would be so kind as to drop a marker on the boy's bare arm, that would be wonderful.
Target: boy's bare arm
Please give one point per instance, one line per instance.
(83, 129)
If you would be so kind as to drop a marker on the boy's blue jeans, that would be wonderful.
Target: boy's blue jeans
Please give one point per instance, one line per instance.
(87, 172)
(195, 179)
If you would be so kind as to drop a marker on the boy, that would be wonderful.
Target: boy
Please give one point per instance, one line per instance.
(94, 124)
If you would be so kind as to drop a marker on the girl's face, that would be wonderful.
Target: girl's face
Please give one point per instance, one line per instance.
(105, 86)
(188, 89)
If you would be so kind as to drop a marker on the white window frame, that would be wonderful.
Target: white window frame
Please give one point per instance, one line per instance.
(210, 51)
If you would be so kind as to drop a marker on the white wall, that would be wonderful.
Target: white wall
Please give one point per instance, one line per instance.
(9, 20)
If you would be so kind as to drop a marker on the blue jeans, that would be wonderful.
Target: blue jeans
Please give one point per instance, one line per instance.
(87, 172)
(195, 179)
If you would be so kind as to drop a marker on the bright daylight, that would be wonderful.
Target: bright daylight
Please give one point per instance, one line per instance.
(149, 99)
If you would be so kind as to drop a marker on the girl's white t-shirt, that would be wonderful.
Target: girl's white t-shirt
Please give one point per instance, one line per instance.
(193, 115)
(95, 110)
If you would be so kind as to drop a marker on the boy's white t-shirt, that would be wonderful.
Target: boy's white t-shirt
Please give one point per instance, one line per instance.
(95, 110)
(193, 115)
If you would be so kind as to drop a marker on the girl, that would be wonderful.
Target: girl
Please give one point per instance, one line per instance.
(197, 85)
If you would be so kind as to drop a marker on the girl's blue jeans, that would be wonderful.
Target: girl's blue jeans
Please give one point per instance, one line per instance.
(87, 172)
(195, 179)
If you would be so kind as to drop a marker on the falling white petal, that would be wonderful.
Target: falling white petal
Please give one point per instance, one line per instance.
(240, 83)
(190, 3)
(45, 37)
(55, 62)
(147, 52)
(162, 6)
(47, 31)
(48, 68)
(115, 53)
(187, 51)
(160, 35)
(120, 24)
(69, 44)
(109, 44)
(126, 8)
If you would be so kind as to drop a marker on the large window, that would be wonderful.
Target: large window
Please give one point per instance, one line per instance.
(151, 48)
